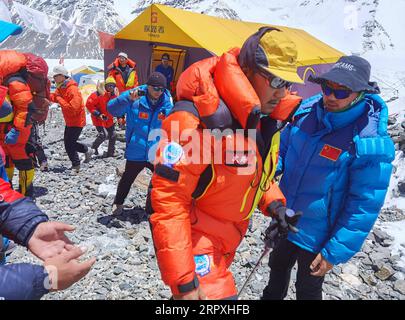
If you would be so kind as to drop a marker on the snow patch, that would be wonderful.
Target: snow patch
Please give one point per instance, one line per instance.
(396, 230)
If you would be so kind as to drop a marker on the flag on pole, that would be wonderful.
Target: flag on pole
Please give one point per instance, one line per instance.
(106, 40)
(33, 18)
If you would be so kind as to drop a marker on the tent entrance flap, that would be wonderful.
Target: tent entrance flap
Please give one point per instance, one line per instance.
(177, 59)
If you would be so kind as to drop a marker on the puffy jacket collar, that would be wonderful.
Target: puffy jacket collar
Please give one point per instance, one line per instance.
(144, 100)
(116, 63)
(67, 83)
(212, 79)
(337, 120)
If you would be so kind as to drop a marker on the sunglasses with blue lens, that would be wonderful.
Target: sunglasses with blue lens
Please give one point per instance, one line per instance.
(338, 93)
(158, 89)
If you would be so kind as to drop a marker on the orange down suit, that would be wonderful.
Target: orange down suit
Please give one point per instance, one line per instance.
(21, 99)
(115, 72)
(197, 236)
(70, 99)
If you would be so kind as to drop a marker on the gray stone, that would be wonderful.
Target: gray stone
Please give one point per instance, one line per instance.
(398, 276)
(399, 285)
(401, 187)
(117, 271)
(74, 205)
(125, 286)
(380, 235)
(392, 120)
(384, 273)
(368, 278)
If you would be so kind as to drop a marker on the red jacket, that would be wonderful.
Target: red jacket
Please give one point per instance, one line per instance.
(69, 97)
(115, 72)
(97, 103)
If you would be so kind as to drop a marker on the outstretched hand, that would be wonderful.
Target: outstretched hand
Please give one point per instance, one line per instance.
(64, 269)
(49, 239)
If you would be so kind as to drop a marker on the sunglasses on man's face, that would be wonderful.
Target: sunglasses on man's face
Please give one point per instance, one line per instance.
(276, 82)
(338, 93)
(110, 86)
(158, 89)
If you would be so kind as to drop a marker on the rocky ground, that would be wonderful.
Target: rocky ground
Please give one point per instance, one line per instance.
(126, 266)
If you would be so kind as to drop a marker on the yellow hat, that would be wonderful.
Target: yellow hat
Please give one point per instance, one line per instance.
(110, 80)
(271, 50)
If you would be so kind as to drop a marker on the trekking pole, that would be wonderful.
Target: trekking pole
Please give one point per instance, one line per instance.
(271, 239)
(265, 252)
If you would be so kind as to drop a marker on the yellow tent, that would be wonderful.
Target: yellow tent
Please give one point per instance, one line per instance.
(201, 36)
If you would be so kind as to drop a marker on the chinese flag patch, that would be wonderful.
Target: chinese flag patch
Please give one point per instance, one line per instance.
(161, 116)
(330, 152)
(143, 115)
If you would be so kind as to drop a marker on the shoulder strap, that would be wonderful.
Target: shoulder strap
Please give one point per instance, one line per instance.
(222, 118)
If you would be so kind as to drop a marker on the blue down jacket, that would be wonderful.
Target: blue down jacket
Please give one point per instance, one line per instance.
(19, 217)
(141, 119)
(336, 169)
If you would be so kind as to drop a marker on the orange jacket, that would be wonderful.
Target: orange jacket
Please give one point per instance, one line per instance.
(70, 99)
(219, 214)
(18, 90)
(115, 72)
(97, 102)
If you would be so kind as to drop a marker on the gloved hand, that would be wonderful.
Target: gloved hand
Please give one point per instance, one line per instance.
(96, 113)
(283, 221)
(103, 117)
(12, 136)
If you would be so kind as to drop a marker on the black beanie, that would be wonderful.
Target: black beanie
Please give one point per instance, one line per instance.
(157, 79)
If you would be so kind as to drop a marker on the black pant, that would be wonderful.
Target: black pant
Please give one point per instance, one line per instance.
(34, 146)
(72, 147)
(102, 136)
(132, 169)
(281, 261)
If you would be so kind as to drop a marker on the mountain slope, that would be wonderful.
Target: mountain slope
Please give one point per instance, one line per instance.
(97, 14)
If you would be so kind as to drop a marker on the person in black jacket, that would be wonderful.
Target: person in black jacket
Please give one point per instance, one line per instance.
(23, 222)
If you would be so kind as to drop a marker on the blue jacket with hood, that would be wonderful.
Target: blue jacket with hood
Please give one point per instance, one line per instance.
(336, 170)
(141, 120)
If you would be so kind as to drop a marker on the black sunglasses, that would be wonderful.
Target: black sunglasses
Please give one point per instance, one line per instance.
(276, 82)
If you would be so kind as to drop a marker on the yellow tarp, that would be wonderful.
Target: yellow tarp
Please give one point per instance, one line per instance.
(83, 69)
(163, 24)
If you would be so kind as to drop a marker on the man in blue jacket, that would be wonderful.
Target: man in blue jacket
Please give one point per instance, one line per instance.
(166, 69)
(336, 162)
(145, 108)
(23, 222)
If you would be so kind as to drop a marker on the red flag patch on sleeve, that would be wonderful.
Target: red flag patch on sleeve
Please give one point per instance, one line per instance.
(330, 152)
(143, 115)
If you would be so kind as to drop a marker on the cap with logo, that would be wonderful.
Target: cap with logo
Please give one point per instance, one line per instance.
(271, 51)
(352, 72)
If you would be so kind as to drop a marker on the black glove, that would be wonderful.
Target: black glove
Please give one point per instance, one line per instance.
(283, 221)
(103, 117)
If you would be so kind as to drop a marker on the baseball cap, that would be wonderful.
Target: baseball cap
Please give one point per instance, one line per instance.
(270, 50)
